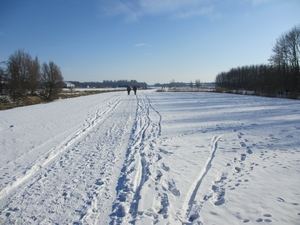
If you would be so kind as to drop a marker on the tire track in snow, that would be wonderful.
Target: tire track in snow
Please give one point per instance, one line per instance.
(136, 171)
(187, 208)
(54, 152)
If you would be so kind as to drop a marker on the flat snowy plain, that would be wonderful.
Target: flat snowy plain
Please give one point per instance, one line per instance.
(154, 158)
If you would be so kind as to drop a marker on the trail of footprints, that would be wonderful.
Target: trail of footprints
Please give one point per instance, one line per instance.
(217, 192)
(164, 186)
(218, 188)
(265, 218)
(238, 169)
(163, 197)
(238, 164)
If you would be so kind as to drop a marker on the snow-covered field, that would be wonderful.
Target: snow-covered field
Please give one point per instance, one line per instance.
(154, 158)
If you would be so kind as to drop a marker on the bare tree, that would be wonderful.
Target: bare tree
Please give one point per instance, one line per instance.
(293, 45)
(3, 78)
(34, 75)
(198, 83)
(191, 84)
(18, 72)
(285, 59)
(23, 73)
(52, 80)
(172, 83)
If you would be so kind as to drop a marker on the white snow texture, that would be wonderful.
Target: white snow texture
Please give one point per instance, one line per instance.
(153, 158)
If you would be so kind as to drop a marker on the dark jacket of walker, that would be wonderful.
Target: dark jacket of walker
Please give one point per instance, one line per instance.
(128, 89)
(134, 89)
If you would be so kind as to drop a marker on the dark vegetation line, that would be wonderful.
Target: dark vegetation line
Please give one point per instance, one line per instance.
(280, 77)
(8, 102)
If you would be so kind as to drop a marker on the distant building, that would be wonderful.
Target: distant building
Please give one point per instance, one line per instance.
(68, 85)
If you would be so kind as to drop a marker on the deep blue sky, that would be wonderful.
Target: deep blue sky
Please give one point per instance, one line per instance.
(146, 40)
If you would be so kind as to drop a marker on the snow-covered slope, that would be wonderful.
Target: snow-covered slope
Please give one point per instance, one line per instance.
(154, 158)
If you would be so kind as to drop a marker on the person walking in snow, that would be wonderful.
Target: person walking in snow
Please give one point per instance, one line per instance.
(134, 89)
(128, 89)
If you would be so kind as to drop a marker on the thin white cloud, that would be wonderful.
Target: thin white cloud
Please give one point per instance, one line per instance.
(133, 10)
(118, 8)
(204, 11)
(140, 45)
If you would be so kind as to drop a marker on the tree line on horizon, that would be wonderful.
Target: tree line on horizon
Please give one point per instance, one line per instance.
(281, 75)
(22, 75)
(173, 83)
(109, 83)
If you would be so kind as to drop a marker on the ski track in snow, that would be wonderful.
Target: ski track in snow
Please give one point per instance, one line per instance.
(53, 153)
(88, 152)
(139, 156)
(187, 208)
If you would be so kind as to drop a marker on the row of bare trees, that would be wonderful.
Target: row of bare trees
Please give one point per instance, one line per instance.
(23, 75)
(282, 74)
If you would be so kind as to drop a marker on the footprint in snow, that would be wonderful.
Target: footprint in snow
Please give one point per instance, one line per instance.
(249, 151)
(193, 217)
(280, 199)
(164, 205)
(237, 169)
(268, 218)
(158, 175)
(165, 151)
(158, 157)
(172, 188)
(99, 182)
(164, 167)
(243, 157)
(218, 195)
(240, 135)
(242, 144)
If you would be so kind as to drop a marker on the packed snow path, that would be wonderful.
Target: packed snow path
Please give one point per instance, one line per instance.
(153, 158)
(70, 183)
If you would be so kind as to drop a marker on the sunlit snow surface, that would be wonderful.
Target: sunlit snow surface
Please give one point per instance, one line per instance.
(154, 158)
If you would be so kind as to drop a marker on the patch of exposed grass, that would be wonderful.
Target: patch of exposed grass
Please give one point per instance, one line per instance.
(8, 102)
(221, 90)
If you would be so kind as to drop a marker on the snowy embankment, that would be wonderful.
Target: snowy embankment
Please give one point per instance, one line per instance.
(154, 158)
